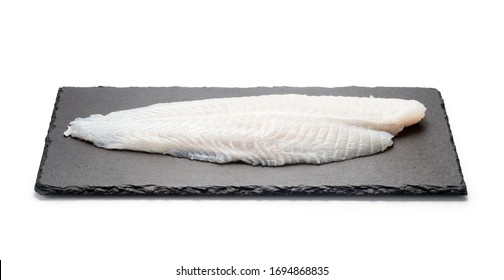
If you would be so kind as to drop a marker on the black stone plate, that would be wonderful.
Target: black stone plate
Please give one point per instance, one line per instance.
(423, 160)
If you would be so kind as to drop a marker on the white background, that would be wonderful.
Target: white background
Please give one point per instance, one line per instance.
(454, 46)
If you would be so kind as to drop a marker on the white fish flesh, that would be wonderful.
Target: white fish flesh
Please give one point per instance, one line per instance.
(268, 130)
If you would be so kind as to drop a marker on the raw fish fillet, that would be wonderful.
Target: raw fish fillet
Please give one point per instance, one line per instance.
(268, 130)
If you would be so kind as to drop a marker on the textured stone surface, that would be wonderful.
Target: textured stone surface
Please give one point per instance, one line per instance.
(423, 160)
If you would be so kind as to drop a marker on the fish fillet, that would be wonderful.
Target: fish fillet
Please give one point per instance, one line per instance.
(268, 130)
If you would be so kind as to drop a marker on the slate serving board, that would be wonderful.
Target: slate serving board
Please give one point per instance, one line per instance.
(423, 160)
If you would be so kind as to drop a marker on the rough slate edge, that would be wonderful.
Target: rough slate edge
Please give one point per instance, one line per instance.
(250, 190)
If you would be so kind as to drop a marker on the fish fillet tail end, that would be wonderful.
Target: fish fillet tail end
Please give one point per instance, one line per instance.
(68, 132)
(386, 140)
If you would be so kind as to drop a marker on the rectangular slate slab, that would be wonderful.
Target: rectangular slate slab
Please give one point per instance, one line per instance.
(423, 160)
